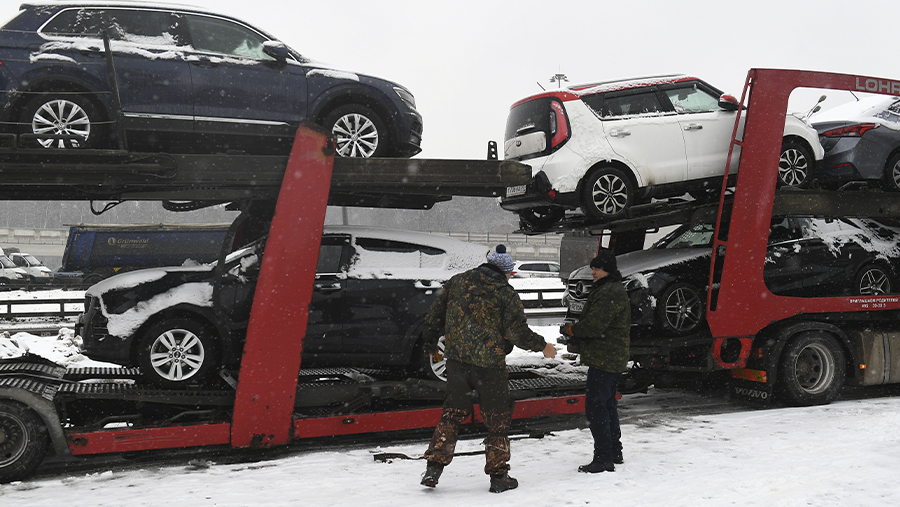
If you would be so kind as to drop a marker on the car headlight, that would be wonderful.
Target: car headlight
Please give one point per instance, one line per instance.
(405, 96)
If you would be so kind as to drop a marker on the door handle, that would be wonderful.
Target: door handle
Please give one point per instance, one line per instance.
(428, 285)
(204, 62)
(619, 133)
(327, 287)
(693, 126)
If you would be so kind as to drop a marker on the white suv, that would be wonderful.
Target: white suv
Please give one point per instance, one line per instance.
(605, 146)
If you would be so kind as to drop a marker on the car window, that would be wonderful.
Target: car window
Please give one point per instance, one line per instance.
(529, 267)
(138, 26)
(611, 105)
(6, 263)
(690, 99)
(697, 235)
(214, 35)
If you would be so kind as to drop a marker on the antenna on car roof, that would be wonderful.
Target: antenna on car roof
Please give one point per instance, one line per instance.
(542, 86)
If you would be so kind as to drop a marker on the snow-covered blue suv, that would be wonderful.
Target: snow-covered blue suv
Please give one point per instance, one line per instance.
(183, 79)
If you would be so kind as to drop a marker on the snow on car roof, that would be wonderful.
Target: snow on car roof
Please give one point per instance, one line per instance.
(367, 263)
(576, 91)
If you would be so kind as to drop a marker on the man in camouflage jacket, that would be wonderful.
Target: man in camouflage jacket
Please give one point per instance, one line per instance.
(481, 317)
(603, 335)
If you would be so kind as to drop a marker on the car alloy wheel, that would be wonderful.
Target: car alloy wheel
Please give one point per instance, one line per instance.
(358, 132)
(176, 352)
(681, 308)
(872, 281)
(794, 165)
(892, 173)
(606, 193)
(72, 116)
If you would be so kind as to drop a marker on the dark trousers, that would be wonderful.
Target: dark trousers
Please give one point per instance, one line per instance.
(492, 388)
(602, 413)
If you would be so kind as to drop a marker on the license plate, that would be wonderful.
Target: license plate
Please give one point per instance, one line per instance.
(576, 306)
(514, 191)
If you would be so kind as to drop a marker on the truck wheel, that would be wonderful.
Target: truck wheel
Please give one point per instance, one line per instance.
(65, 114)
(680, 308)
(811, 370)
(23, 441)
(430, 362)
(606, 194)
(176, 352)
(872, 280)
(357, 131)
(795, 165)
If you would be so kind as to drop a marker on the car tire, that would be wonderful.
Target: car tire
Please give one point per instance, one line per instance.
(680, 309)
(892, 173)
(795, 165)
(23, 441)
(810, 370)
(872, 280)
(606, 194)
(64, 114)
(430, 362)
(177, 352)
(537, 219)
(358, 132)
(90, 280)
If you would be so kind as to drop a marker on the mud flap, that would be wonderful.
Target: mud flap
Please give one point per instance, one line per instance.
(750, 385)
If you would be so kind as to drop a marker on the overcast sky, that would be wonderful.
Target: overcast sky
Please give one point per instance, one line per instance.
(467, 61)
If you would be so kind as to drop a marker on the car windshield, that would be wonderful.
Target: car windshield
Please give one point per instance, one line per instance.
(32, 260)
(688, 236)
(6, 263)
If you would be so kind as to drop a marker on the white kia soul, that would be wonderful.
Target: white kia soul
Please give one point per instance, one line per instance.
(604, 147)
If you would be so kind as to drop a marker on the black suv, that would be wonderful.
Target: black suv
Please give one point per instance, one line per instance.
(372, 290)
(184, 79)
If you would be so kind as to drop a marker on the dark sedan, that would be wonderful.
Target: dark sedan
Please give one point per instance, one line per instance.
(806, 257)
(184, 79)
(861, 141)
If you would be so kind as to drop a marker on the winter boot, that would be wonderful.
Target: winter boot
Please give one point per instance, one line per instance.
(618, 459)
(595, 467)
(432, 474)
(501, 483)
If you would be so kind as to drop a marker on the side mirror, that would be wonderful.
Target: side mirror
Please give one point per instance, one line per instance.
(277, 50)
(729, 103)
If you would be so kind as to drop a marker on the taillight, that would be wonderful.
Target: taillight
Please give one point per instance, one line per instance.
(559, 127)
(850, 130)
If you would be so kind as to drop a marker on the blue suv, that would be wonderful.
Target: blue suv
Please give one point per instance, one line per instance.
(183, 79)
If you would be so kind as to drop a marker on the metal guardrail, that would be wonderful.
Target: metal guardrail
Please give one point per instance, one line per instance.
(55, 307)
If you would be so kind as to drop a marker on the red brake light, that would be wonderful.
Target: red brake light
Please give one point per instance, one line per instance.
(561, 132)
(850, 130)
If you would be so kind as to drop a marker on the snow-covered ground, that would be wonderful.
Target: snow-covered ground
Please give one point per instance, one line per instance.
(846, 453)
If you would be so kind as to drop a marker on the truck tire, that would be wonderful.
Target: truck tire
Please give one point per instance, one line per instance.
(811, 370)
(537, 219)
(177, 352)
(680, 309)
(429, 363)
(23, 441)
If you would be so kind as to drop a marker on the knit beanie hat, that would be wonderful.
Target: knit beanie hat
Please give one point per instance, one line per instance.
(604, 260)
(501, 259)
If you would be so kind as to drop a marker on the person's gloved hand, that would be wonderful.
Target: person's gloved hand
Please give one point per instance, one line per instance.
(565, 329)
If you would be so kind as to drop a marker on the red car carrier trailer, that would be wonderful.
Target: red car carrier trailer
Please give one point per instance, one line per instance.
(797, 350)
(270, 401)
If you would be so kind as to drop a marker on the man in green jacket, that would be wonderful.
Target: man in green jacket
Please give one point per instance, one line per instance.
(603, 335)
(481, 317)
